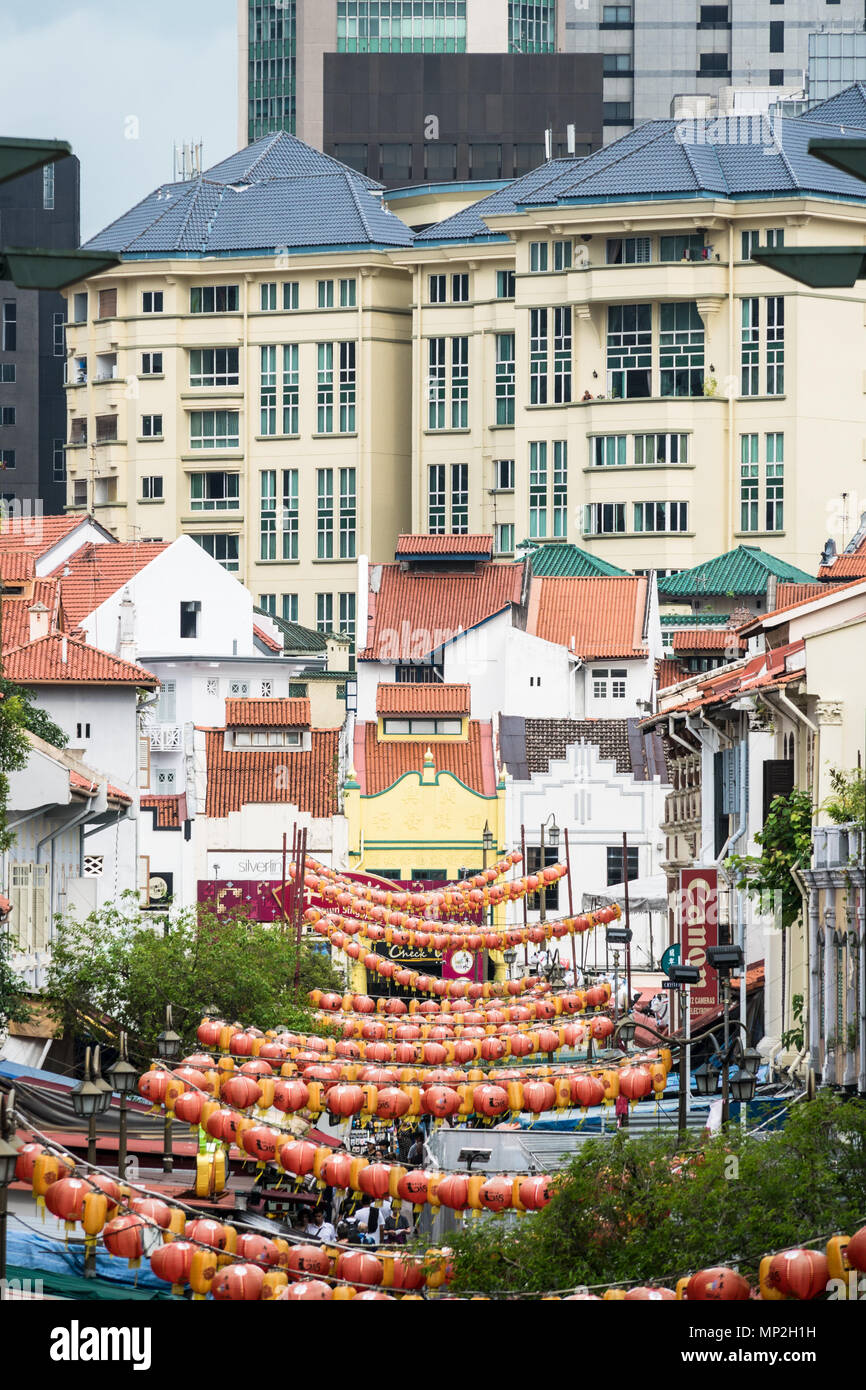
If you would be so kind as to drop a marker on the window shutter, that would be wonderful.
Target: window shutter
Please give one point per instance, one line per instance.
(144, 759)
(22, 916)
(107, 308)
(41, 911)
(778, 780)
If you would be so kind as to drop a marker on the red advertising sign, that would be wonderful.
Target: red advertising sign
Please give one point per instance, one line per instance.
(699, 929)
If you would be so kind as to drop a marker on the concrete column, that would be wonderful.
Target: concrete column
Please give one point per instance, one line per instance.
(829, 1020)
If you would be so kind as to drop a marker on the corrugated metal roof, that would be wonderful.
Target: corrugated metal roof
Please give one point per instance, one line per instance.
(593, 617)
(268, 712)
(745, 570)
(278, 193)
(427, 698)
(569, 561)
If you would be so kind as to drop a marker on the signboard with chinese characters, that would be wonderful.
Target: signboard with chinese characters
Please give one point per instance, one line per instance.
(699, 929)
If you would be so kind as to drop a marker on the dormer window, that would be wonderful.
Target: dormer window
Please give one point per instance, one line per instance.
(422, 728)
(267, 738)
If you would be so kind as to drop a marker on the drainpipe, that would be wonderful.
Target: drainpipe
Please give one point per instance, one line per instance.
(811, 894)
(49, 839)
(677, 739)
(861, 1079)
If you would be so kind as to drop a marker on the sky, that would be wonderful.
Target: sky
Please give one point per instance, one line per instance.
(123, 83)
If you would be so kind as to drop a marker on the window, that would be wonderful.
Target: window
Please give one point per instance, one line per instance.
(290, 520)
(712, 15)
(151, 427)
(438, 289)
(106, 429)
(291, 294)
(224, 549)
(436, 384)
(106, 304)
(268, 296)
(9, 333)
(631, 250)
(681, 350)
(661, 516)
(213, 367)
(82, 730)
(151, 488)
(291, 393)
(504, 538)
(749, 482)
(268, 604)
(750, 241)
(212, 686)
(537, 490)
(290, 609)
(440, 160)
(7, 415)
(505, 284)
(459, 383)
(436, 500)
(608, 450)
(348, 514)
(422, 726)
(348, 382)
(214, 492)
(325, 389)
(534, 865)
(460, 289)
(777, 77)
(79, 308)
(682, 247)
(325, 513)
(214, 299)
(750, 346)
(538, 356)
(538, 253)
(614, 864)
(775, 479)
(239, 690)
(714, 64)
(616, 113)
(268, 515)
(268, 390)
(58, 324)
(190, 609)
(395, 160)
(505, 378)
(629, 350)
(777, 36)
(48, 187)
(661, 448)
(562, 254)
(214, 429)
(151, 364)
(604, 518)
(775, 346)
(325, 612)
(503, 475)
(151, 302)
(775, 237)
(7, 459)
(616, 16)
(298, 690)
(7, 373)
(348, 294)
(617, 65)
(347, 616)
(324, 294)
(459, 499)
(560, 489)
(79, 493)
(58, 461)
(267, 687)
(78, 430)
(166, 706)
(562, 355)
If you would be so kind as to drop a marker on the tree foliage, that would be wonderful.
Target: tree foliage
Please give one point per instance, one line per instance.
(786, 842)
(121, 965)
(847, 803)
(630, 1210)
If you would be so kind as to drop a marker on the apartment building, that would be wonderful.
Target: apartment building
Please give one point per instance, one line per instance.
(598, 360)
(243, 377)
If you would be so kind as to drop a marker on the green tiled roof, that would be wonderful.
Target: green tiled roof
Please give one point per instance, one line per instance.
(746, 570)
(295, 637)
(568, 562)
(694, 619)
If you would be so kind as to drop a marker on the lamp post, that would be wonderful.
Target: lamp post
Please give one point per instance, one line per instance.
(616, 938)
(168, 1048)
(510, 956)
(552, 829)
(89, 1099)
(488, 842)
(9, 1150)
(124, 1080)
(724, 959)
(685, 976)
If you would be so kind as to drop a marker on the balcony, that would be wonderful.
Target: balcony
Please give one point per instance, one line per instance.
(838, 846)
(652, 281)
(165, 738)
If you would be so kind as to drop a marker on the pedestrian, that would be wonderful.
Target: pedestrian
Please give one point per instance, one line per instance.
(368, 1224)
(319, 1227)
(415, 1156)
(621, 1112)
(395, 1228)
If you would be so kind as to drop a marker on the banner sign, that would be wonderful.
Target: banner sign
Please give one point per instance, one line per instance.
(699, 929)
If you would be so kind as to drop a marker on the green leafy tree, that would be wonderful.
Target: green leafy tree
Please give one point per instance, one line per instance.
(31, 715)
(786, 843)
(847, 803)
(633, 1210)
(118, 968)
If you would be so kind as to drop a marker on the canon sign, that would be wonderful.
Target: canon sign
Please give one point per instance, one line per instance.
(699, 929)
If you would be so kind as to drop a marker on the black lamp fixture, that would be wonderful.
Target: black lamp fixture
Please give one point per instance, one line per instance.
(725, 959)
(551, 830)
(750, 1061)
(684, 974)
(627, 1031)
(707, 1080)
(90, 1098)
(743, 1086)
(168, 1044)
(123, 1079)
(618, 936)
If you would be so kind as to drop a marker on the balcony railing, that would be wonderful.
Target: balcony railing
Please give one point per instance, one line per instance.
(838, 846)
(165, 737)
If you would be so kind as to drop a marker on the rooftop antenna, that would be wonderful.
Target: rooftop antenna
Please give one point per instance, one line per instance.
(187, 161)
(548, 144)
(569, 133)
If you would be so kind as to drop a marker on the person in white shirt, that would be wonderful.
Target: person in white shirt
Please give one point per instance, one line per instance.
(320, 1228)
(370, 1224)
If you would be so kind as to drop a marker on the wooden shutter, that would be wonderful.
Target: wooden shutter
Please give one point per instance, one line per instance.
(144, 759)
(107, 307)
(22, 905)
(41, 913)
(778, 780)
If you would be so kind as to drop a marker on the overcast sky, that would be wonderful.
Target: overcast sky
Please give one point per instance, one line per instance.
(87, 70)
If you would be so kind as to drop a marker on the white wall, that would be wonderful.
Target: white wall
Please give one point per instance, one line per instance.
(638, 682)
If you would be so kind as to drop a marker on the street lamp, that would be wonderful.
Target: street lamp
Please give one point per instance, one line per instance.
(724, 959)
(615, 938)
(89, 1099)
(684, 976)
(743, 1086)
(9, 1149)
(551, 830)
(168, 1048)
(124, 1080)
(488, 840)
(707, 1080)
(509, 956)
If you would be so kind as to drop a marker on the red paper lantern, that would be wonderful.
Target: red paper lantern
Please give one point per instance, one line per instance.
(374, 1180)
(801, 1274)
(260, 1143)
(496, 1194)
(258, 1250)
(586, 1091)
(717, 1285)
(642, 1295)
(440, 1101)
(153, 1210)
(298, 1157)
(240, 1091)
(534, 1193)
(290, 1095)
(392, 1103)
(491, 1101)
(173, 1262)
(309, 1290)
(122, 1237)
(538, 1096)
(359, 1269)
(205, 1231)
(308, 1260)
(344, 1100)
(65, 1199)
(453, 1191)
(336, 1170)
(634, 1083)
(856, 1250)
(600, 1027)
(188, 1107)
(413, 1186)
(239, 1283)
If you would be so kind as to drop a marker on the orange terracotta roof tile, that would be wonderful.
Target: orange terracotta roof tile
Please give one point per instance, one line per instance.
(16, 612)
(16, 566)
(594, 617)
(80, 783)
(824, 591)
(406, 698)
(382, 762)
(786, 594)
(95, 572)
(61, 660)
(669, 673)
(766, 671)
(706, 639)
(116, 794)
(306, 779)
(411, 615)
(167, 811)
(444, 545)
(267, 639)
(37, 533)
(268, 713)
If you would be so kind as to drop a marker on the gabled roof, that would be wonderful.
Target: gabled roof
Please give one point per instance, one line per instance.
(379, 764)
(704, 639)
(775, 667)
(95, 572)
(169, 812)
(745, 570)
(278, 193)
(851, 564)
(797, 593)
(295, 637)
(569, 561)
(444, 545)
(16, 612)
(847, 108)
(405, 698)
(411, 615)
(827, 596)
(593, 617)
(271, 712)
(38, 534)
(306, 778)
(61, 660)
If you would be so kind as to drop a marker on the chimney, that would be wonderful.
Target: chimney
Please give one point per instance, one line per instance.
(40, 619)
(126, 646)
(64, 651)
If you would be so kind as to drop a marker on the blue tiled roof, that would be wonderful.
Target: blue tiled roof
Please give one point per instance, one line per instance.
(728, 157)
(277, 194)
